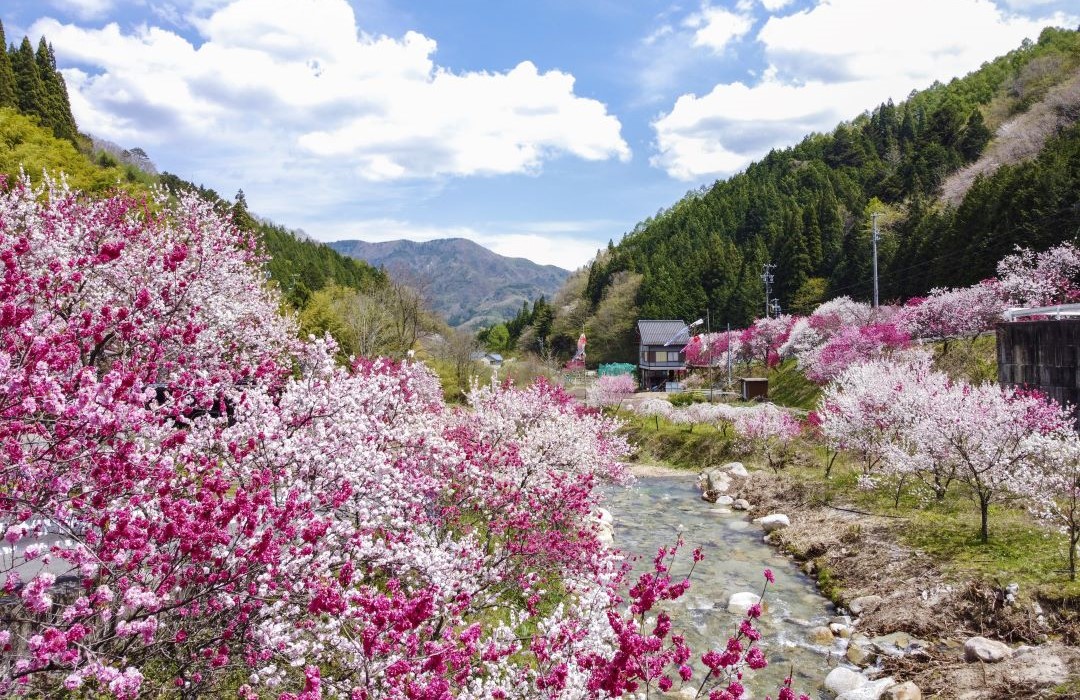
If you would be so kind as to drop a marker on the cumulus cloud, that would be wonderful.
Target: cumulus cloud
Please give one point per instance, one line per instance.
(826, 65)
(715, 27)
(296, 84)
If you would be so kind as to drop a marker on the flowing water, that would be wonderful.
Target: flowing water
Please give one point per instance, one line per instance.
(651, 514)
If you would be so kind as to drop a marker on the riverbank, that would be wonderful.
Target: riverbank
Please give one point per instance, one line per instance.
(858, 555)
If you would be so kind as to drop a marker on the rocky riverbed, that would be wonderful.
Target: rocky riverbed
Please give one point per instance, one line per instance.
(896, 628)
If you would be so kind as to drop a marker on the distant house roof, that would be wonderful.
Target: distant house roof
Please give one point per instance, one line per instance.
(657, 332)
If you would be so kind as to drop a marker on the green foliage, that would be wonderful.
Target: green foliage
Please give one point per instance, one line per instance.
(8, 97)
(26, 145)
(806, 208)
(497, 338)
(788, 387)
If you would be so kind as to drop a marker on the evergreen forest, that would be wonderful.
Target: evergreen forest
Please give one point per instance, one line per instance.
(950, 176)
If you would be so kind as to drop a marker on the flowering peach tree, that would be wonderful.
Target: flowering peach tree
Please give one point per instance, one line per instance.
(194, 502)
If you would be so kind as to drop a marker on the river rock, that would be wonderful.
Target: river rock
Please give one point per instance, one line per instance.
(872, 690)
(741, 504)
(736, 469)
(724, 500)
(897, 644)
(604, 516)
(864, 603)
(821, 636)
(713, 484)
(775, 521)
(842, 631)
(986, 650)
(841, 680)
(740, 602)
(902, 691)
(860, 651)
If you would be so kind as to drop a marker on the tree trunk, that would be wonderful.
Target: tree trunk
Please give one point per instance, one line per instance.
(1074, 537)
(984, 511)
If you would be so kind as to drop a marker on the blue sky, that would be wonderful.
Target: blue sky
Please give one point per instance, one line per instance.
(538, 129)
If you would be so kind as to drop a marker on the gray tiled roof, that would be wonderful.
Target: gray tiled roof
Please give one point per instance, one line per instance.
(656, 332)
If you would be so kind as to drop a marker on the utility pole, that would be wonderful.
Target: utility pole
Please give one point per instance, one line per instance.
(767, 278)
(874, 240)
(729, 382)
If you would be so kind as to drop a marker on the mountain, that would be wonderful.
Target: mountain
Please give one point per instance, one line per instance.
(953, 178)
(466, 284)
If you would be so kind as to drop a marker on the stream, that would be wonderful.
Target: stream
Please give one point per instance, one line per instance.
(650, 514)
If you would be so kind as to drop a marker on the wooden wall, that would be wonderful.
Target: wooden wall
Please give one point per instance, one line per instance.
(1041, 355)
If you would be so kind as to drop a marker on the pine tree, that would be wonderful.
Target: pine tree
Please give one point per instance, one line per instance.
(58, 114)
(7, 76)
(30, 93)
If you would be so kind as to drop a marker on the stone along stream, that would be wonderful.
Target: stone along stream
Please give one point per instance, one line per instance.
(651, 513)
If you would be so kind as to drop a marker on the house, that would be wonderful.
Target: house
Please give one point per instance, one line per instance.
(491, 359)
(661, 351)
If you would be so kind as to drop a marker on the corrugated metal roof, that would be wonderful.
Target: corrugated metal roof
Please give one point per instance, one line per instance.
(658, 332)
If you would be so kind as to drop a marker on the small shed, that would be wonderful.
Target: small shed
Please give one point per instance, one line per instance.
(755, 388)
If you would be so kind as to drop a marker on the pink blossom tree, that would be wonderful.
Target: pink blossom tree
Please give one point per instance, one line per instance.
(946, 314)
(853, 345)
(611, 390)
(1031, 279)
(1049, 479)
(762, 340)
(770, 430)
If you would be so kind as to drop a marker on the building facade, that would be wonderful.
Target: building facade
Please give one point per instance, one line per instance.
(661, 352)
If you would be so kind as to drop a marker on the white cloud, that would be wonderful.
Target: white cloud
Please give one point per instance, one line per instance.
(714, 27)
(774, 5)
(84, 9)
(828, 64)
(295, 84)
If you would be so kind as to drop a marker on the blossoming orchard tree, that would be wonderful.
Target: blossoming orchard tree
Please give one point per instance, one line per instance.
(1050, 480)
(770, 430)
(194, 503)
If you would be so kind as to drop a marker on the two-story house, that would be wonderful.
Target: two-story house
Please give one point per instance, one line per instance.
(661, 352)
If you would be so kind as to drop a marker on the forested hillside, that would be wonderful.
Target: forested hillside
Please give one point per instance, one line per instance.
(38, 134)
(807, 209)
(467, 284)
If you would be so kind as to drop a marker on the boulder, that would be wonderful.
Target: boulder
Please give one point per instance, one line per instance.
(724, 500)
(872, 690)
(864, 603)
(775, 521)
(741, 504)
(740, 602)
(902, 691)
(822, 636)
(986, 650)
(713, 484)
(736, 469)
(604, 516)
(841, 680)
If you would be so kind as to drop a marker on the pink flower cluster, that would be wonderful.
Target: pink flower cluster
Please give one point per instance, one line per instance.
(190, 495)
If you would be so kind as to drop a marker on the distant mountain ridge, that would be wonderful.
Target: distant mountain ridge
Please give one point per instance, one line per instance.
(467, 284)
